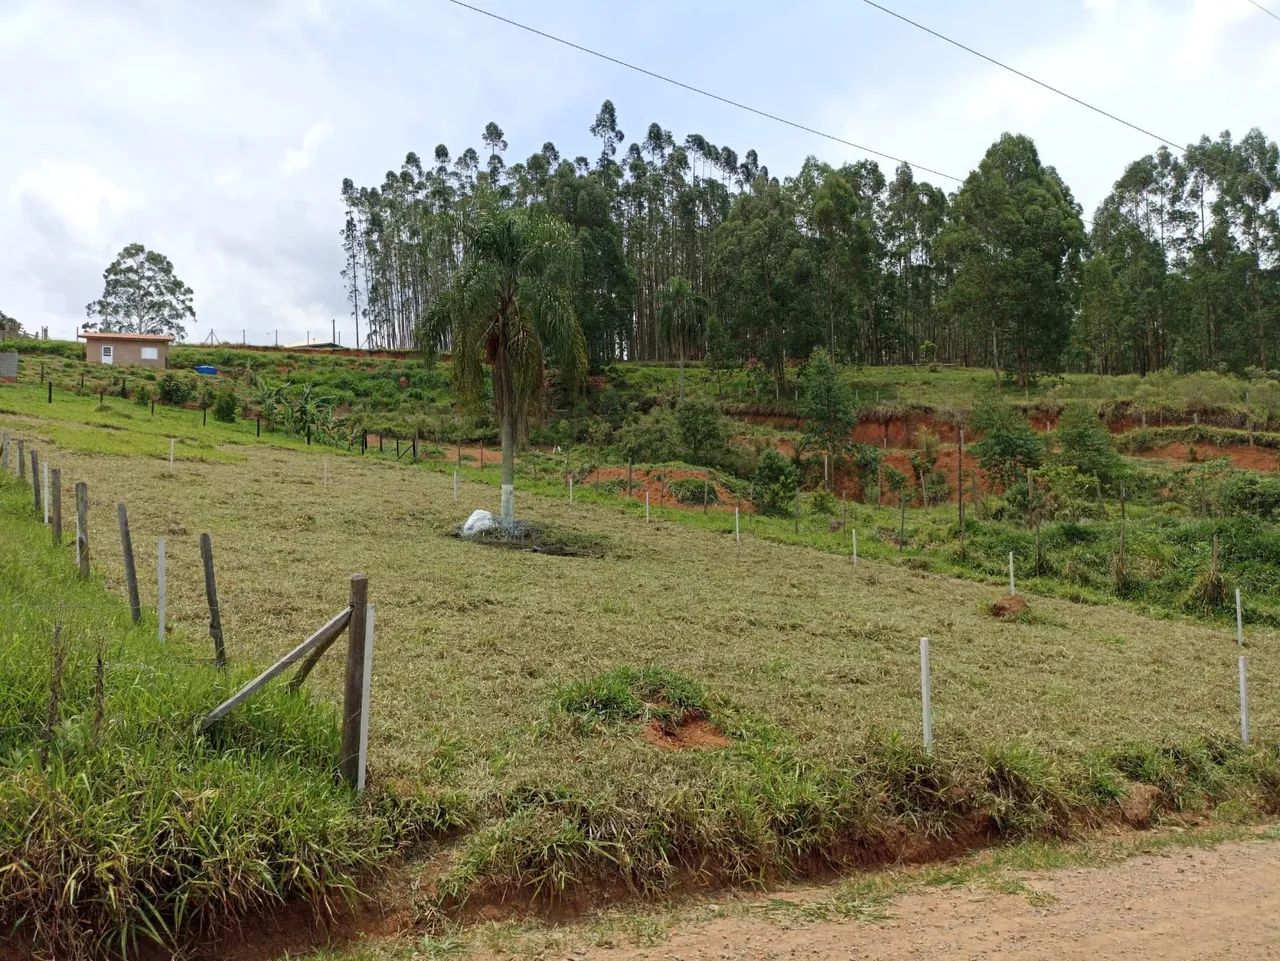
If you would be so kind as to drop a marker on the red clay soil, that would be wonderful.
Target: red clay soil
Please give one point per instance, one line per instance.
(660, 491)
(1240, 455)
(697, 734)
(1008, 607)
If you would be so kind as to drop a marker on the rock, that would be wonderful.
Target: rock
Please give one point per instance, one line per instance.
(479, 522)
(1139, 806)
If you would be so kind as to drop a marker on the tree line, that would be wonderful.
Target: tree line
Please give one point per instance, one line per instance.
(689, 250)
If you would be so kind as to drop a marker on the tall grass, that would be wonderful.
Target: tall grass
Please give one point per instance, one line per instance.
(118, 824)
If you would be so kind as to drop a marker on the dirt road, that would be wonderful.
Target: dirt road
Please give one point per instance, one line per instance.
(1176, 906)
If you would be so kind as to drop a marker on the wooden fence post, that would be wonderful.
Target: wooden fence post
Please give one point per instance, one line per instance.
(22, 464)
(45, 499)
(354, 686)
(4, 452)
(35, 479)
(211, 595)
(130, 568)
(82, 529)
(55, 496)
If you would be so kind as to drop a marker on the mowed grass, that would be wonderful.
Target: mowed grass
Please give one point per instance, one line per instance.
(120, 427)
(807, 663)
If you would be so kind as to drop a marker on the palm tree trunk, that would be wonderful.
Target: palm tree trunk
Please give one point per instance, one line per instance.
(508, 433)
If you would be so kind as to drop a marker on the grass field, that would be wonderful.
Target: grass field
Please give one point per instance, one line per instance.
(518, 685)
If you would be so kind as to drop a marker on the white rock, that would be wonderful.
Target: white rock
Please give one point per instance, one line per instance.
(479, 522)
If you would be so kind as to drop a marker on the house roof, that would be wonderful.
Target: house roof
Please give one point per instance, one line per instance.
(108, 335)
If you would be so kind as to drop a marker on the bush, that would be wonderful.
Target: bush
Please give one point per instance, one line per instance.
(1008, 446)
(703, 431)
(224, 407)
(774, 484)
(175, 390)
(692, 490)
(654, 438)
(1253, 494)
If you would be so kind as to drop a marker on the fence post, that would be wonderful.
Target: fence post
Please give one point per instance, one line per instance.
(4, 451)
(46, 493)
(628, 477)
(570, 488)
(1239, 621)
(455, 485)
(1013, 589)
(160, 589)
(853, 531)
(22, 462)
(130, 568)
(926, 695)
(55, 495)
(50, 392)
(363, 769)
(211, 595)
(1244, 701)
(737, 528)
(354, 686)
(172, 443)
(82, 529)
(646, 506)
(35, 479)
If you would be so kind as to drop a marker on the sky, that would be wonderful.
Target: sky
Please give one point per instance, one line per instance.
(219, 134)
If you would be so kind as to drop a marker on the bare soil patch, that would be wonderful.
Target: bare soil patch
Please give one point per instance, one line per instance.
(1009, 607)
(1240, 455)
(691, 734)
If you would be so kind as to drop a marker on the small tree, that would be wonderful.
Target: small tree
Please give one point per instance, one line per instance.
(142, 295)
(1009, 447)
(825, 405)
(510, 301)
(8, 326)
(774, 484)
(682, 314)
(1085, 444)
(702, 431)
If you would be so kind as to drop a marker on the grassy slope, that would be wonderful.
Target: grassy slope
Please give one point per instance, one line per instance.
(134, 829)
(803, 657)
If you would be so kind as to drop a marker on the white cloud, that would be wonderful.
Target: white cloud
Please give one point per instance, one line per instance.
(79, 195)
(303, 156)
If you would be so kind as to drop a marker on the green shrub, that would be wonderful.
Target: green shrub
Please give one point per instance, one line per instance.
(175, 390)
(653, 438)
(774, 484)
(225, 406)
(703, 432)
(693, 490)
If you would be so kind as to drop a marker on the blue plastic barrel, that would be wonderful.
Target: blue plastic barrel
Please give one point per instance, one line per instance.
(207, 370)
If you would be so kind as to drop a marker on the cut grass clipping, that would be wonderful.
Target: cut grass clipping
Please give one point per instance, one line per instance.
(118, 825)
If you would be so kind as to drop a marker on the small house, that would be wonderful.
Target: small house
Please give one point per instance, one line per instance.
(124, 350)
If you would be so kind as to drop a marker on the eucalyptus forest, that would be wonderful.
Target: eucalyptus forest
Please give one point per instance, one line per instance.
(1176, 270)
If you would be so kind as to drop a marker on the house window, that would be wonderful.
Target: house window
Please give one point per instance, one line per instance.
(107, 353)
(150, 353)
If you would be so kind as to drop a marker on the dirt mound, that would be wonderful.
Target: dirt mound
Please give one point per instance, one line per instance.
(1139, 806)
(1008, 607)
(691, 734)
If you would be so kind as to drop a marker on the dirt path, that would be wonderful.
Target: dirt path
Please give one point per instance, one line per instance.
(1180, 904)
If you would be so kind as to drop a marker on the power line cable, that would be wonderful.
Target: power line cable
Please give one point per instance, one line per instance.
(1269, 13)
(704, 93)
(1026, 76)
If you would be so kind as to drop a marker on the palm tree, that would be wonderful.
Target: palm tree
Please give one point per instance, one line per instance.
(511, 301)
(681, 312)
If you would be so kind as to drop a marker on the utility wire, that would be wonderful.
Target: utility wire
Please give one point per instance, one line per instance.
(1027, 76)
(704, 93)
(1269, 13)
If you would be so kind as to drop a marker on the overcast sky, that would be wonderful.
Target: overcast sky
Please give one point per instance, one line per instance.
(219, 133)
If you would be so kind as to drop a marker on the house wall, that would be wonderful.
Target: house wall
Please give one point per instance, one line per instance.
(127, 352)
